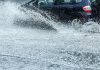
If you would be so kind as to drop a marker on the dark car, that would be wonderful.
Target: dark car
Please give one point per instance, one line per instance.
(69, 8)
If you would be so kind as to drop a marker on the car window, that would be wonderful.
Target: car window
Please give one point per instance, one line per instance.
(50, 1)
(42, 1)
(63, 1)
(67, 1)
(92, 0)
(77, 1)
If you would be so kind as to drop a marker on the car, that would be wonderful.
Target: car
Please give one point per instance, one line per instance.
(72, 9)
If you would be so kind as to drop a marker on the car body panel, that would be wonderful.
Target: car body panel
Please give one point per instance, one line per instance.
(74, 9)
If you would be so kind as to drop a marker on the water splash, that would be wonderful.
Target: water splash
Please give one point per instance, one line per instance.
(8, 12)
(27, 43)
(35, 19)
(91, 27)
(88, 27)
(11, 13)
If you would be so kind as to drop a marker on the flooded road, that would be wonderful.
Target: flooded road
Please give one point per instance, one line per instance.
(28, 47)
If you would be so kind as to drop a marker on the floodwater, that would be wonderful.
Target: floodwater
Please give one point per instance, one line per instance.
(30, 41)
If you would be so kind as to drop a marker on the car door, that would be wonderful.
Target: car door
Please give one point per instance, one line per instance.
(66, 4)
(78, 5)
(65, 8)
